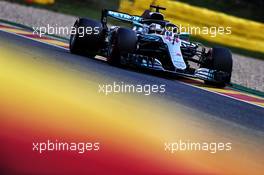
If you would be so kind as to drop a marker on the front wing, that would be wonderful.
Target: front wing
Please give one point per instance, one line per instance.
(155, 65)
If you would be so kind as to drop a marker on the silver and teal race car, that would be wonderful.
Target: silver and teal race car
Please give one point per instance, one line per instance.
(153, 43)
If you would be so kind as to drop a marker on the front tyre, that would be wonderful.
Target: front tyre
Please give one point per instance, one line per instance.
(222, 62)
(123, 41)
(87, 37)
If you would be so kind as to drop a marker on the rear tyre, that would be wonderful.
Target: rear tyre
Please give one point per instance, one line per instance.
(222, 62)
(87, 37)
(124, 41)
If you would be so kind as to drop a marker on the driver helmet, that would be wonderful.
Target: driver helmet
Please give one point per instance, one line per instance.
(155, 28)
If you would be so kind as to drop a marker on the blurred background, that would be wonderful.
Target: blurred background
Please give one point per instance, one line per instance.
(253, 9)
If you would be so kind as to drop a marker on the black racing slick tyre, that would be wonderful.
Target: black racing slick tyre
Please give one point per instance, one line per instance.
(222, 62)
(124, 41)
(87, 37)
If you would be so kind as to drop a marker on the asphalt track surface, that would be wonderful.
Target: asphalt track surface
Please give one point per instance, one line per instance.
(207, 103)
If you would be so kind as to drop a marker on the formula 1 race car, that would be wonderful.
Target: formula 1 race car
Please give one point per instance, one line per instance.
(153, 43)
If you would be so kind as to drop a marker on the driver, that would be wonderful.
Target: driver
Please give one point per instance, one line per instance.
(156, 28)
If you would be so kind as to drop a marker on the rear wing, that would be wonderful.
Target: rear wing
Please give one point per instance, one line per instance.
(119, 16)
